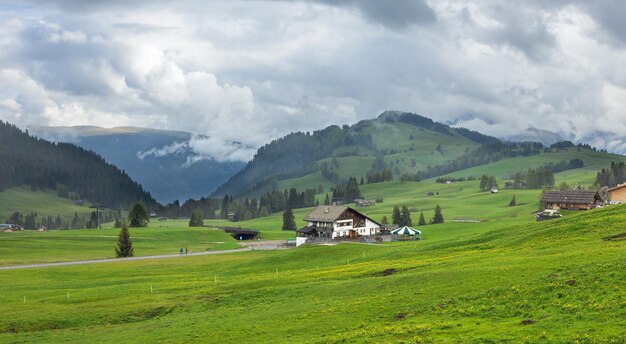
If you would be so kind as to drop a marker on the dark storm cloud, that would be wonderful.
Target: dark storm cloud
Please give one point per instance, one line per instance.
(525, 31)
(394, 14)
(610, 14)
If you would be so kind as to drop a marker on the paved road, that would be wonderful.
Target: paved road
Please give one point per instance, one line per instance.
(116, 260)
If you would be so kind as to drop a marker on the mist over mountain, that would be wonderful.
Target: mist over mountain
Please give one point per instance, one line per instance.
(170, 164)
(546, 137)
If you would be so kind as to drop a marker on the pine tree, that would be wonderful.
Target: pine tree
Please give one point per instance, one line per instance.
(138, 217)
(422, 220)
(384, 220)
(513, 202)
(327, 200)
(395, 216)
(196, 219)
(438, 215)
(405, 216)
(124, 244)
(289, 222)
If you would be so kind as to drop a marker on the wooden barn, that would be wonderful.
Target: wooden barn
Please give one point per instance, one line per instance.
(617, 194)
(571, 199)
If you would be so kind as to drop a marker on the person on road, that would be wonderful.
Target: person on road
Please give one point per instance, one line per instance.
(181, 250)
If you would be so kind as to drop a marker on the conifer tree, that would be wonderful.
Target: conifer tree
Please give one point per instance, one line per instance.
(405, 217)
(138, 217)
(196, 219)
(395, 216)
(422, 220)
(289, 222)
(327, 200)
(438, 215)
(124, 244)
(513, 202)
(384, 220)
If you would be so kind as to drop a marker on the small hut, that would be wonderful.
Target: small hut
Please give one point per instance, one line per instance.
(405, 233)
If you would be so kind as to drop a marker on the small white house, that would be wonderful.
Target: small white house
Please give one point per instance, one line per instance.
(331, 221)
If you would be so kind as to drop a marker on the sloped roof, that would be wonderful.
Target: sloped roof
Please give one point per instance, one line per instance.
(619, 186)
(325, 213)
(570, 196)
(331, 213)
(307, 230)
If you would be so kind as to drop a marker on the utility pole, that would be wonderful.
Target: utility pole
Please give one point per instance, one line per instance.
(98, 206)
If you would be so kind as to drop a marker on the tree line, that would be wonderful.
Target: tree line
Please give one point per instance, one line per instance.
(65, 168)
(615, 174)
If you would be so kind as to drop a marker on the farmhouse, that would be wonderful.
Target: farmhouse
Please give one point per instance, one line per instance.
(331, 222)
(617, 194)
(571, 199)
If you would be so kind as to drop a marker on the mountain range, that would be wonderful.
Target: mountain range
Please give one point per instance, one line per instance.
(166, 162)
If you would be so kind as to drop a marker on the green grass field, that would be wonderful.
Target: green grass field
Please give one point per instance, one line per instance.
(555, 281)
(507, 279)
(28, 247)
(43, 203)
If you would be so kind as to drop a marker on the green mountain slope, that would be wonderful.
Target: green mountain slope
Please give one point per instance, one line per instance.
(68, 170)
(593, 160)
(407, 143)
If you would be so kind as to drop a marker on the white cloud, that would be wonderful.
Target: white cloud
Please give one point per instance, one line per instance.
(251, 71)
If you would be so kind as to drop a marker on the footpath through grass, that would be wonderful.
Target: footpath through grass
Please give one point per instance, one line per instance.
(28, 247)
(554, 281)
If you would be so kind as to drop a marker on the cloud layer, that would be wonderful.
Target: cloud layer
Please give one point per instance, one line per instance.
(251, 71)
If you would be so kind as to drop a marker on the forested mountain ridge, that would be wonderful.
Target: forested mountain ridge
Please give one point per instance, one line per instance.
(162, 161)
(68, 169)
(398, 141)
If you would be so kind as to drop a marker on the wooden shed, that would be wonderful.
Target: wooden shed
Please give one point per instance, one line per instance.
(617, 193)
(571, 199)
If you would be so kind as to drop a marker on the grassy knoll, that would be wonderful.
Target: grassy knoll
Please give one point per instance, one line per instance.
(555, 281)
(42, 203)
(28, 247)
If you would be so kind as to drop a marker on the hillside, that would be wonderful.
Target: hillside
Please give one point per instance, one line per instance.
(162, 161)
(554, 281)
(68, 170)
(399, 142)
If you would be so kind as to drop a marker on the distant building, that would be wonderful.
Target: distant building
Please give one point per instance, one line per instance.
(363, 202)
(331, 222)
(8, 227)
(571, 199)
(494, 190)
(617, 194)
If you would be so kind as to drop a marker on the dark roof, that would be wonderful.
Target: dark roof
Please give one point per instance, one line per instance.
(325, 213)
(570, 196)
(331, 213)
(307, 230)
(234, 230)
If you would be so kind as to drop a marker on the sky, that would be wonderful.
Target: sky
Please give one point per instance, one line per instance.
(252, 71)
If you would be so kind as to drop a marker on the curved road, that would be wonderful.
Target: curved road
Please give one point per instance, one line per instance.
(112, 260)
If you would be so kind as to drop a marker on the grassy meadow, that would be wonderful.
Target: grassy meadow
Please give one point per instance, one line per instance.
(43, 203)
(554, 281)
(29, 247)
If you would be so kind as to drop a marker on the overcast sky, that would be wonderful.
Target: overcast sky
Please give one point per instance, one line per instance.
(252, 71)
